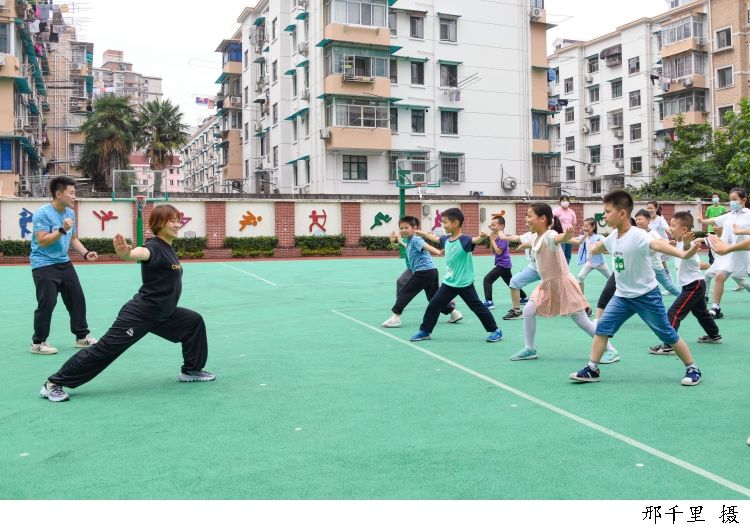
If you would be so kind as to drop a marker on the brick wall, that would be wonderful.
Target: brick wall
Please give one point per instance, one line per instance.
(351, 220)
(667, 210)
(285, 224)
(216, 221)
(578, 209)
(471, 218)
(414, 209)
(521, 209)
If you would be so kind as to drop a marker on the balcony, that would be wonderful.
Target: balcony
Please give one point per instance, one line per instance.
(363, 86)
(356, 138)
(693, 117)
(372, 35)
(684, 45)
(10, 67)
(685, 83)
(231, 102)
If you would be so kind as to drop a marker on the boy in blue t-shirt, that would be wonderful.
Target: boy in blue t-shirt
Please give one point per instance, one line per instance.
(52, 234)
(459, 277)
(424, 272)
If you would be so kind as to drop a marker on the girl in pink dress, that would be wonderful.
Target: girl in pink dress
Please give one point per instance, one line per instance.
(558, 294)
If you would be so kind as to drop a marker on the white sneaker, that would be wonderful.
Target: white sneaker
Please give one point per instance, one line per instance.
(86, 341)
(455, 316)
(738, 288)
(43, 349)
(392, 323)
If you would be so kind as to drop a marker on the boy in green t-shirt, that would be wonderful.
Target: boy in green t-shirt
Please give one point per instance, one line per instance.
(458, 279)
(715, 210)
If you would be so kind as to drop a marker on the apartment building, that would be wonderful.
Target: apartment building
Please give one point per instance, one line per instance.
(199, 167)
(335, 92)
(229, 105)
(116, 76)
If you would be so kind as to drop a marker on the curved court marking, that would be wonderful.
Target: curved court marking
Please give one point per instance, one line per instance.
(249, 274)
(562, 412)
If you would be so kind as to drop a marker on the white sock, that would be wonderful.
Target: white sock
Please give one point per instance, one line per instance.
(529, 325)
(715, 306)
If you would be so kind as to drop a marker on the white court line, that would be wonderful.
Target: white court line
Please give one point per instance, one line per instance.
(335, 283)
(562, 412)
(249, 274)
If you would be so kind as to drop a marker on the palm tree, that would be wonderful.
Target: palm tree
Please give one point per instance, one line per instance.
(160, 132)
(110, 136)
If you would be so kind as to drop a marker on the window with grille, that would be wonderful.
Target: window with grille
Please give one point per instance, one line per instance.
(452, 168)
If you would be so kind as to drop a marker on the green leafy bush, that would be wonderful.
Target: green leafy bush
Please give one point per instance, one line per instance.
(320, 245)
(189, 247)
(377, 243)
(251, 247)
(12, 247)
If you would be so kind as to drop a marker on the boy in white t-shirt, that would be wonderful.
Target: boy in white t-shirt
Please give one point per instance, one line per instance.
(692, 299)
(657, 259)
(637, 289)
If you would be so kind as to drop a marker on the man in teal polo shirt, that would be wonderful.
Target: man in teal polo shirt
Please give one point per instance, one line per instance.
(52, 234)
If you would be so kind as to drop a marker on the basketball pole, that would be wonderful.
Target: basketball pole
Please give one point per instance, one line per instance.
(139, 228)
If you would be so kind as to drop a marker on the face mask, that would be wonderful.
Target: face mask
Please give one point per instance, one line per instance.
(715, 200)
(565, 204)
(734, 205)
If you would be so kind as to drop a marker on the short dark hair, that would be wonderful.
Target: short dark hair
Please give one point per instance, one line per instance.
(454, 214)
(620, 199)
(500, 219)
(160, 216)
(643, 212)
(410, 220)
(592, 222)
(60, 184)
(685, 219)
(564, 198)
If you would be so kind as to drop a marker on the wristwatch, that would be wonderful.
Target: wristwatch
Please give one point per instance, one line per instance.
(62, 230)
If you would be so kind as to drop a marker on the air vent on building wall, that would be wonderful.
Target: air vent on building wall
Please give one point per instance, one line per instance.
(618, 163)
(618, 133)
(306, 94)
(589, 109)
(325, 134)
(585, 129)
(302, 48)
(591, 169)
(509, 183)
(536, 13)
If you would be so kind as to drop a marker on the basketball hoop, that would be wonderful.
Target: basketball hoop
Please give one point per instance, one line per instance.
(140, 203)
(419, 186)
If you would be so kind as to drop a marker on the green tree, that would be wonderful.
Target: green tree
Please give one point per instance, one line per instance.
(110, 138)
(734, 147)
(160, 132)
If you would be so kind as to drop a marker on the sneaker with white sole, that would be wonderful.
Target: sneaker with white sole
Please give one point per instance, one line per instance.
(524, 355)
(53, 392)
(392, 323)
(586, 375)
(495, 336)
(455, 316)
(715, 313)
(420, 335)
(692, 377)
(43, 349)
(489, 304)
(513, 314)
(610, 356)
(86, 341)
(705, 339)
(196, 376)
(661, 349)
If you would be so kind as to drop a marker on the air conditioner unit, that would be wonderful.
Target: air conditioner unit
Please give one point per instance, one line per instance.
(618, 163)
(589, 109)
(258, 126)
(585, 129)
(687, 82)
(306, 94)
(325, 134)
(591, 169)
(536, 13)
(235, 100)
(701, 41)
(302, 3)
(589, 78)
(259, 164)
(509, 183)
(302, 48)
(618, 133)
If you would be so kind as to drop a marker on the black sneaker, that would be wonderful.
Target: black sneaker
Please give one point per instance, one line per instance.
(53, 392)
(661, 349)
(705, 339)
(715, 313)
(513, 314)
(196, 375)
(589, 312)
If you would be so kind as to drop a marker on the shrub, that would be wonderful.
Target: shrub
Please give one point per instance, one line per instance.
(12, 247)
(189, 247)
(377, 243)
(251, 247)
(320, 245)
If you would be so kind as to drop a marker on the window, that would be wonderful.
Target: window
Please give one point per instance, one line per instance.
(394, 71)
(305, 124)
(417, 73)
(448, 122)
(246, 96)
(355, 61)
(294, 85)
(674, 3)
(595, 152)
(448, 75)
(4, 38)
(682, 29)
(295, 175)
(448, 27)
(725, 76)
(294, 131)
(392, 23)
(596, 186)
(569, 85)
(417, 120)
(247, 168)
(6, 155)
(246, 132)
(685, 65)
(363, 12)
(685, 103)
(618, 151)
(634, 65)
(592, 64)
(570, 144)
(275, 71)
(355, 167)
(616, 88)
(275, 113)
(635, 99)
(635, 132)
(614, 119)
(416, 25)
(569, 114)
(594, 94)
(724, 38)
(275, 156)
(246, 58)
(357, 112)
(232, 53)
(570, 173)
(451, 168)
(394, 119)
(594, 124)
(636, 165)
(539, 127)
(722, 112)
(274, 25)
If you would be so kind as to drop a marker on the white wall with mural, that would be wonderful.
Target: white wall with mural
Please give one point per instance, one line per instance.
(379, 219)
(317, 218)
(193, 217)
(491, 208)
(104, 218)
(431, 217)
(15, 218)
(250, 219)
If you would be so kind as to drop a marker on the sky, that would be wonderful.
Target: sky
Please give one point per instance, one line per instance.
(176, 40)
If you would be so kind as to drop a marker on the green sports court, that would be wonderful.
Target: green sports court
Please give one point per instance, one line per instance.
(314, 400)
